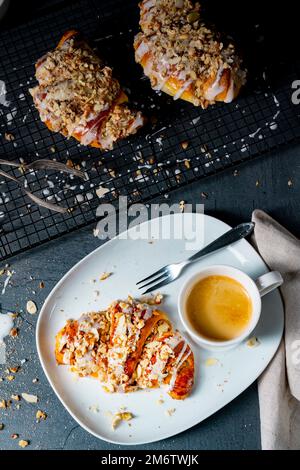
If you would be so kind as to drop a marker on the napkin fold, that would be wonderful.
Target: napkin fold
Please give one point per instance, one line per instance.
(279, 385)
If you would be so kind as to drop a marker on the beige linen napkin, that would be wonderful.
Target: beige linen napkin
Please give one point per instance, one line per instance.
(279, 385)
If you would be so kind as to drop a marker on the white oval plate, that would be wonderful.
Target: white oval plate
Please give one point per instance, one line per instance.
(130, 260)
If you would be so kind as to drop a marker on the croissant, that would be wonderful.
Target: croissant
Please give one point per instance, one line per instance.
(79, 97)
(129, 346)
(183, 57)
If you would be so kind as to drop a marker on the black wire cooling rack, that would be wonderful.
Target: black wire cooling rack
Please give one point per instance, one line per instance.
(179, 145)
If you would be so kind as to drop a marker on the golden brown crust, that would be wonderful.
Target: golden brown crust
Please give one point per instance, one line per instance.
(185, 58)
(78, 96)
(130, 345)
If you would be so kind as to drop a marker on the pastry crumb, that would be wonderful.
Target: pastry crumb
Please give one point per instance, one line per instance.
(119, 417)
(94, 408)
(14, 332)
(253, 342)
(40, 415)
(105, 276)
(170, 411)
(23, 443)
(211, 361)
(16, 397)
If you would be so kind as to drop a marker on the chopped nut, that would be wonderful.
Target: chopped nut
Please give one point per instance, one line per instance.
(41, 285)
(23, 443)
(14, 370)
(3, 404)
(10, 378)
(31, 307)
(187, 164)
(193, 16)
(14, 436)
(30, 398)
(184, 145)
(14, 332)
(158, 299)
(9, 137)
(105, 276)
(16, 397)
(40, 415)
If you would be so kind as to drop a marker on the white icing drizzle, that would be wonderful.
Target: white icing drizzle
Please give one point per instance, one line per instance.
(183, 355)
(230, 92)
(141, 50)
(215, 89)
(6, 324)
(182, 89)
(255, 133)
(3, 100)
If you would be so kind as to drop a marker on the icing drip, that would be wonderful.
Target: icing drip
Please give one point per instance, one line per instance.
(215, 89)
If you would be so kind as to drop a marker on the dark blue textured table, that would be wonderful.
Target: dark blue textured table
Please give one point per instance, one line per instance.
(270, 183)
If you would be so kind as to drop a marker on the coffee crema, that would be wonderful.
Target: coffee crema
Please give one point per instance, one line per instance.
(219, 308)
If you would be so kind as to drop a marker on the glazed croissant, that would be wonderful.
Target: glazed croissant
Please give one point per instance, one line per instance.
(183, 57)
(79, 97)
(129, 346)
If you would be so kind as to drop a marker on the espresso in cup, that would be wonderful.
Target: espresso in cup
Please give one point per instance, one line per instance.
(219, 308)
(220, 305)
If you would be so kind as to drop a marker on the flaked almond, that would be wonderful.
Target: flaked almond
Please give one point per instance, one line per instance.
(30, 398)
(3, 404)
(31, 307)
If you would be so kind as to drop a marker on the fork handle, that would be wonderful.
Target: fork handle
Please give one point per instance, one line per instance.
(233, 235)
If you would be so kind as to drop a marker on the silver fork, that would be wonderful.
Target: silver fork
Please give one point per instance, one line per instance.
(171, 272)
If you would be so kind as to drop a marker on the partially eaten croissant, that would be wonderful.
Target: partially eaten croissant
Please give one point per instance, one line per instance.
(129, 346)
(185, 58)
(79, 97)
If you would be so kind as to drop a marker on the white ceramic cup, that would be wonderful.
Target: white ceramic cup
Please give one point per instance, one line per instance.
(256, 289)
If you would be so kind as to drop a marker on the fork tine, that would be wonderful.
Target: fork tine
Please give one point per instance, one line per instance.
(160, 271)
(154, 280)
(160, 284)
